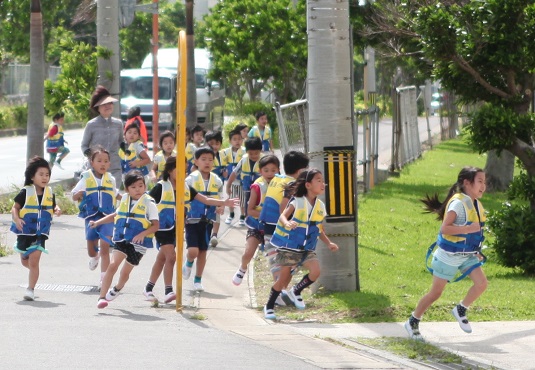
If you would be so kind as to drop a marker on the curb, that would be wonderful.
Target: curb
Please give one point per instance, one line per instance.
(8, 132)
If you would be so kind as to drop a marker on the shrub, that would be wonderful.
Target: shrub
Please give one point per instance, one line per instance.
(13, 116)
(514, 243)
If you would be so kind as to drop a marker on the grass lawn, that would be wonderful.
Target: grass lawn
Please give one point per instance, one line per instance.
(394, 235)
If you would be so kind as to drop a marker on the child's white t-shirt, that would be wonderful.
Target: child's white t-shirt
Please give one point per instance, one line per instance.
(81, 185)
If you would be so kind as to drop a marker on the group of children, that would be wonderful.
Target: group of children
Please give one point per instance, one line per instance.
(283, 214)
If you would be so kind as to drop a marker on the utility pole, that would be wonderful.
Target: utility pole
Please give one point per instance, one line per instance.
(191, 96)
(108, 37)
(331, 135)
(155, 81)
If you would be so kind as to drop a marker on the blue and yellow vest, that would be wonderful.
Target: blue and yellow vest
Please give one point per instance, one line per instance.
(465, 243)
(56, 141)
(166, 206)
(218, 166)
(187, 198)
(129, 222)
(97, 198)
(309, 225)
(159, 161)
(37, 217)
(200, 210)
(250, 221)
(274, 194)
(248, 175)
(190, 156)
(132, 156)
(265, 138)
(230, 159)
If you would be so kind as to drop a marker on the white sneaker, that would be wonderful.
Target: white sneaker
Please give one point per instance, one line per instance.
(238, 277)
(413, 330)
(186, 271)
(213, 241)
(296, 299)
(241, 222)
(29, 295)
(149, 296)
(280, 301)
(170, 297)
(229, 220)
(111, 295)
(198, 287)
(93, 262)
(269, 314)
(462, 320)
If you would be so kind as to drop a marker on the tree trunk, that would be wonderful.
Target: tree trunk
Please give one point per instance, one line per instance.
(191, 99)
(499, 170)
(36, 98)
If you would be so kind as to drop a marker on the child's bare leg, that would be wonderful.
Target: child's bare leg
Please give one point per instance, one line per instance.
(92, 248)
(116, 260)
(104, 255)
(24, 261)
(427, 300)
(169, 266)
(201, 262)
(158, 266)
(33, 265)
(124, 275)
(250, 248)
(193, 252)
(480, 285)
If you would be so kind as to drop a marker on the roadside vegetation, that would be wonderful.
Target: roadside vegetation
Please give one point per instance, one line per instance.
(394, 235)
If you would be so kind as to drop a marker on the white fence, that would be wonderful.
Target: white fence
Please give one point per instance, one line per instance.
(15, 79)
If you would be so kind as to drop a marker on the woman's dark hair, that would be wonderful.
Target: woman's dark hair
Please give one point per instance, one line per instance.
(434, 205)
(96, 149)
(165, 134)
(133, 125)
(99, 93)
(31, 169)
(133, 112)
(58, 116)
(170, 165)
(298, 188)
(131, 177)
(269, 159)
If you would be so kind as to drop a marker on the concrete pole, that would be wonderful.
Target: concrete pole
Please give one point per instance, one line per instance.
(191, 104)
(330, 101)
(108, 36)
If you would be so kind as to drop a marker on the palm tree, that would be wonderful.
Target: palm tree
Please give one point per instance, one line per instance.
(36, 111)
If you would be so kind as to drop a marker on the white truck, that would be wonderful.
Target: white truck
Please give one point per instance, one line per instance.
(136, 90)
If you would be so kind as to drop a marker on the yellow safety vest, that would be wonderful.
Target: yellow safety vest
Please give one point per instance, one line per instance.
(37, 216)
(126, 158)
(159, 161)
(130, 221)
(248, 175)
(97, 198)
(251, 221)
(166, 206)
(273, 199)
(198, 209)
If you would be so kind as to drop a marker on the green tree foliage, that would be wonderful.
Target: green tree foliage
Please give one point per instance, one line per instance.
(255, 42)
(72, 90)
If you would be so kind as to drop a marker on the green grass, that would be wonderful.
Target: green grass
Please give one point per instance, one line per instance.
(394, 236)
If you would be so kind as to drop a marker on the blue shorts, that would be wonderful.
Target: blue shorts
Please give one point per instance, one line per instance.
(198, 235)
(447, 272)
(104, 229)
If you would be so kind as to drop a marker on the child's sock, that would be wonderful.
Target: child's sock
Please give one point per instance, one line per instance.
(116, 290)
(168, 289)
(242, 217)
(305, 282)
(149, 286)
(214, 235)
(189, 263)
(273, 294)
(413, 321)
(231, 215)
(197, 279)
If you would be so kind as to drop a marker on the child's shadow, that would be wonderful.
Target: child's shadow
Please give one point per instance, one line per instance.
(133, 316)
(40, 304)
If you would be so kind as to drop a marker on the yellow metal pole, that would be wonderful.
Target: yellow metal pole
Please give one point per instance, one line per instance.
(180, 162)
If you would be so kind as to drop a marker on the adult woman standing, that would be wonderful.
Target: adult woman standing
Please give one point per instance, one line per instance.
(104, 130)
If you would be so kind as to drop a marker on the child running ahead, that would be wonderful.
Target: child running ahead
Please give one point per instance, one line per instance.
(135, 222)
(32, 214)
(167, 143)
(296, 236)
(229, 158)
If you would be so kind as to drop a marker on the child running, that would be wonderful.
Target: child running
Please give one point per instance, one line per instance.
(197, 137)
(32, 212)
(276, 200)
(132, 153)
(262, 131)
(296, 236)
(164, 196)
(214, 139)
(97, 192)
(136, 221)
(167, 143)
(200, 217)
(247, 171)
(269, 167)
(55, 140)
(229, 158)
(459, 246)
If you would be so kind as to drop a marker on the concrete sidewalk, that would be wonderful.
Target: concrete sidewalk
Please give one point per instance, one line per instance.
(64, 329)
